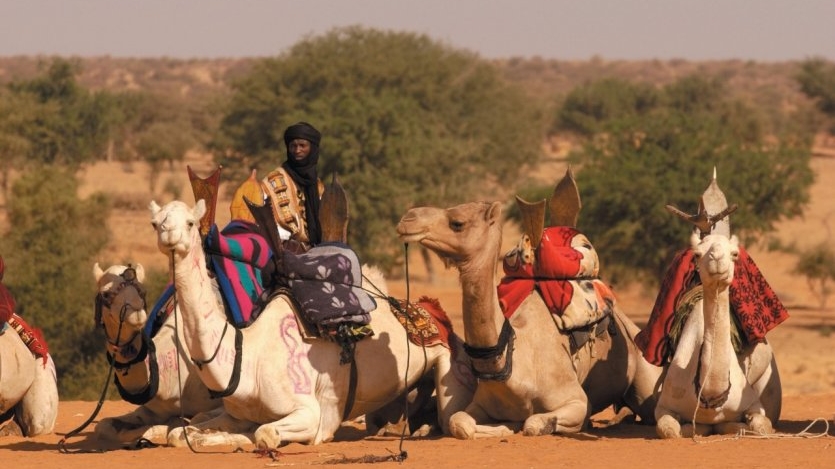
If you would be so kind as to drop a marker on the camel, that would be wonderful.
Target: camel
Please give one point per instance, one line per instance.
(530, 377)
(278, 385)
(28, 383)
(708, 384)
(151, 372)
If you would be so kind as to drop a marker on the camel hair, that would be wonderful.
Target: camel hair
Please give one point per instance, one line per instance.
(707, 383)
(28, 388)
(151, 372)
(530, 378)
(279, 387)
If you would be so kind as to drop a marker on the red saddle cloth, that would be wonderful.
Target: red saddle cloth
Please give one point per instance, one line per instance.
(426, 322)
(555, 275)
(7, 304)
(752, 300)
(31, 336)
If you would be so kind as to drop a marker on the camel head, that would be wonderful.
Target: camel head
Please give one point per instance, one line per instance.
(714, 256)
(177, 226)
(459, 234)
(120, 302)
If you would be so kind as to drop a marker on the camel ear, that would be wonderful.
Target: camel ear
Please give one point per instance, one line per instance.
(97, 272)
(154, 208)
(494, 215)
(140, 272)
(199, 209)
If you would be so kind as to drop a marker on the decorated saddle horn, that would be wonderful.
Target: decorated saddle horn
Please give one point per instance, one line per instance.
(333, 213)
(713, 215)
(206, 189)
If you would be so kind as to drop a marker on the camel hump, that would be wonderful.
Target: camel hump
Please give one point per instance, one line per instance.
(333, 213)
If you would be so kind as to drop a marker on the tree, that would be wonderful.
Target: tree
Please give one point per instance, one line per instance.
(817, 264)
(65, 123)
(405, 121)
(635, 162)
(49, 256)
(817, 81)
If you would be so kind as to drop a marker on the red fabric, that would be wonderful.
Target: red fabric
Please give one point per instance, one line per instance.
(752, 300)
(557, 264)
(427, 323)
(31, 336)
(7, 304)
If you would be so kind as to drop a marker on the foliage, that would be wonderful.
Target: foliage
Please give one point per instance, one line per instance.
(404, 120)
(817, 264)
(67, 124)
(49, 262)
(635, 161)
(817, 81)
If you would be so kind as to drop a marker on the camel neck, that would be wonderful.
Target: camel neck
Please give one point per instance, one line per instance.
(717, 349)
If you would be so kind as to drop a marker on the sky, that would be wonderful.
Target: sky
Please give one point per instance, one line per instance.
(759, 30)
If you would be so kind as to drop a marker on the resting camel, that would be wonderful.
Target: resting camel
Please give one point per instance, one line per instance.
(531, 376)
(720, 379)
(149, 371)
(28, 384)
(277, 386)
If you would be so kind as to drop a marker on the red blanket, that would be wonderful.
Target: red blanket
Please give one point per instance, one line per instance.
(753, 302)
(556, 275)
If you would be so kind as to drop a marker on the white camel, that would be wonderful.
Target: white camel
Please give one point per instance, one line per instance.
(28, 387)
(707, 382)
(153, 373)
(531, 378)
(280, 387)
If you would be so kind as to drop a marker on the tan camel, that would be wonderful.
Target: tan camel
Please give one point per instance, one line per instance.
(152, 373)
(28, 385)
(707, 382)
(531, 377)
(278, 386)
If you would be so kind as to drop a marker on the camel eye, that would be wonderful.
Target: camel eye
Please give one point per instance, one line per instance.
(154, 225)
(191, 224)
(456, 226)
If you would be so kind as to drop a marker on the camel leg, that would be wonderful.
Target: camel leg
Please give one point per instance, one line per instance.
(300, 426)
(463, 425)
(38, 409)
(567, 419)
(222, 429)
(666, 423)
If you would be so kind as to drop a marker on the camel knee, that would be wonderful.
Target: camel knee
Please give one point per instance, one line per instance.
(668, 426)
(462, 426)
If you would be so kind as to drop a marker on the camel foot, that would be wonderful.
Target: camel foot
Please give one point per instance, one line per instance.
(11, 428)
(267, 437)
(462, 426)
(668, 427)
(537, 425)
(760, 424)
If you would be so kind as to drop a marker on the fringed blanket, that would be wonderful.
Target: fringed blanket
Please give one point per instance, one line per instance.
(238, 255)
(754, 305)
(31, 336)
(426, 322)
(327, 283)
(566, 287)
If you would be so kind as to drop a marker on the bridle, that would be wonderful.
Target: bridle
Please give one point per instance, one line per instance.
(105, 299)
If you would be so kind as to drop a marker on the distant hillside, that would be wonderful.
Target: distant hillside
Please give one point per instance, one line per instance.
(767, 84)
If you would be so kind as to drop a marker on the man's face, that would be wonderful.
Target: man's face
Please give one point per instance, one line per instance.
(299, 149)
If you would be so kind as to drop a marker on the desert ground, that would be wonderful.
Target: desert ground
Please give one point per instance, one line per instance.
(803, 346)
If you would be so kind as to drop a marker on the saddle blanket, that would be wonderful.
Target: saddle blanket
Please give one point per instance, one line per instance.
(754, 305)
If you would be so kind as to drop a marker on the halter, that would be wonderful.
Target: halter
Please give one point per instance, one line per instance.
(106, 298)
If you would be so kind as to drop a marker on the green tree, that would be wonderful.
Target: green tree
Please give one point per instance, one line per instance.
(817, 81)
(817, 264)
(70, 125)
(405, 121)
(49, 255)
(636, 162)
